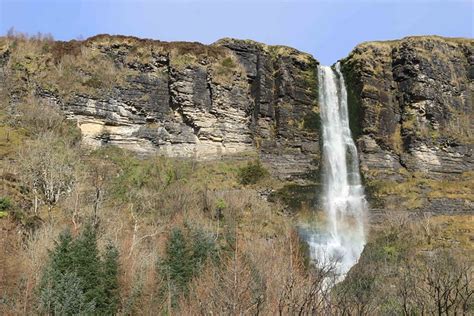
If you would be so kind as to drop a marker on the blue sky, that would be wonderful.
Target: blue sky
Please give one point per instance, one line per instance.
(327, 29)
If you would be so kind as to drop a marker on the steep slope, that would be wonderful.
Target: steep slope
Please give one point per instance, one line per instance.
(411, 107)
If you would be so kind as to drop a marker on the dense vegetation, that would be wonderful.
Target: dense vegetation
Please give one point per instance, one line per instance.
(76, 280)
(103, 231)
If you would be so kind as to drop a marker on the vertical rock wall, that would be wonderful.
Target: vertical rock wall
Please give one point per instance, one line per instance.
(179, 99)
(411, 105)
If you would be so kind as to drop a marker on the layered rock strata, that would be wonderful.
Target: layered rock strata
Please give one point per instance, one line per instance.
(411, 108)
(410, 104)
(180, 99)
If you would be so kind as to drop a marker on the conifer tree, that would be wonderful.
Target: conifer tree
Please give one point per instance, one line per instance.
(61, 257)
(185, 255)
(68, 297)
(202, 247)
(87, 265)
(60, 262)
(77, 281)
(178, 261)
(110, 279)
(61, 291)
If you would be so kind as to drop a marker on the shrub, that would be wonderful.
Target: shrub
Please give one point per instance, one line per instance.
(228, 63)
(94, 82)
(252, 173)
(221, 204)
(5, 204)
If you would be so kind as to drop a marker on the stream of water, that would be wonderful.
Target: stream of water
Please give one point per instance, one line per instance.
(342, 238)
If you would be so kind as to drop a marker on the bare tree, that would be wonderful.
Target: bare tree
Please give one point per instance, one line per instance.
(306, 289)
(49, 167)
(446, 281)
(357, 294)
(234, 287)
(308, 294)
(99, 174)
(37, 117)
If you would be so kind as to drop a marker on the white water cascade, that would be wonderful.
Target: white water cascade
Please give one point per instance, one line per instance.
(343, 237)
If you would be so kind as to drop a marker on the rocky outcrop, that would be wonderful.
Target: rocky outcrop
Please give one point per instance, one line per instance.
(285, 116)
(411, 108)
(180, 99)
(410, 104)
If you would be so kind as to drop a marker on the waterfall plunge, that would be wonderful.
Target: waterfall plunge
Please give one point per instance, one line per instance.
(343, 200)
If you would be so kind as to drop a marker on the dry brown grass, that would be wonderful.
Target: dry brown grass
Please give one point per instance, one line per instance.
(416, 187)
(228, 70)
(63, 68)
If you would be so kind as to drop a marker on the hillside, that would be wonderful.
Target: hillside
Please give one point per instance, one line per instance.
(139, 175)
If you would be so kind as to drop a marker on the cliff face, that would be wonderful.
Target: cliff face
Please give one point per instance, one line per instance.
(411, 107)
(178, 99)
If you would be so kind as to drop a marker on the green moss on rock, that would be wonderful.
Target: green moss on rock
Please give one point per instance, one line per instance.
(296, 196)
(354, 103)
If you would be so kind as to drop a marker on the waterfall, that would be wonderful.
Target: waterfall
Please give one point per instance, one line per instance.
(343, 237)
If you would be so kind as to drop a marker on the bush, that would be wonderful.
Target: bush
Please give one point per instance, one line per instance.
(228, 63)
(252, 173)
(94, 82)
(5, 204)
